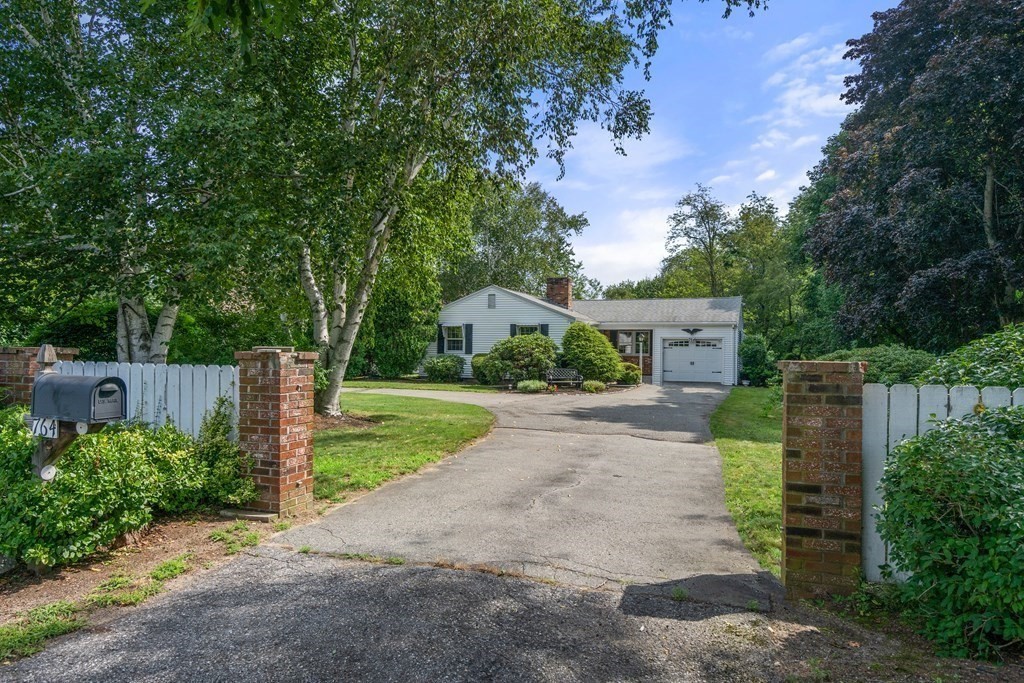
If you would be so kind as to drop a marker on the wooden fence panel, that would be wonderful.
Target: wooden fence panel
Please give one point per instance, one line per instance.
(894, 414)
(181, 394)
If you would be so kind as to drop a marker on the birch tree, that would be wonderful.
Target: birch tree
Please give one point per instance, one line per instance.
(104, 190)
(451, 87)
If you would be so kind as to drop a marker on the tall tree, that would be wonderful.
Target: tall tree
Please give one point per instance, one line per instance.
(925, 229)
(699, 229)
(105, 189)
(452, 87)
(521, 237)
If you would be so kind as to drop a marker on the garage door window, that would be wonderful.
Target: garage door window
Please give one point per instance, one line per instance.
(707, 344)
(678, 343)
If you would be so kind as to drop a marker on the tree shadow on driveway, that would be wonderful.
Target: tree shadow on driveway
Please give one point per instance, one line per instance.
(672, 413)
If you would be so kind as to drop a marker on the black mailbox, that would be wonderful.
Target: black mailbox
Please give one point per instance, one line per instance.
(69, 398)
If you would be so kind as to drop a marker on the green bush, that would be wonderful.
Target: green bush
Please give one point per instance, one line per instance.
(445, 368)
(757, 359)
(531, 386)
(954, 517)
(591, 353)
(893, 364)
(630, 373)
(480, 374)
(108, 484)
(995, 360)
(592, 386)
(527, 356)
(227, 481)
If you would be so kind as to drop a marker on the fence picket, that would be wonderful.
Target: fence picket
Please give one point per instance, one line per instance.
(962, 401)
(902, 413)
(1018, 397)
(933, 405)
(874, 444)
(995, 397)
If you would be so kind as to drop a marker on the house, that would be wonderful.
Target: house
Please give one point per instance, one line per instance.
(673, 340)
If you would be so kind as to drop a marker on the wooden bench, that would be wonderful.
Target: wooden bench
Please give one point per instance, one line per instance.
(570, 376)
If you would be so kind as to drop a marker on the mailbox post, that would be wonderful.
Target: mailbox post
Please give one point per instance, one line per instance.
(64, 407)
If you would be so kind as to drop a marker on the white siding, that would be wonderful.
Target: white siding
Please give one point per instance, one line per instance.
(727, 333)
(491, 325)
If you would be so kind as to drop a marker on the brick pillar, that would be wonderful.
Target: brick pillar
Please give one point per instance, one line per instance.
(821, 441)
(275, 416)
(18, 370)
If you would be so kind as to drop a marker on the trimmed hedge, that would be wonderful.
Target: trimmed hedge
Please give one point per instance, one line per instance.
(592, 386)
(891, 364)
(446, 368)
(954, 517)
(531, 386)
(630, 373)
(590, 352)
(111, 483)
(527, 356)
(476, 366)
(995, 360)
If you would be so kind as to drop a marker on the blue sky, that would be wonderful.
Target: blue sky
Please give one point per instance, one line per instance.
(741, 104)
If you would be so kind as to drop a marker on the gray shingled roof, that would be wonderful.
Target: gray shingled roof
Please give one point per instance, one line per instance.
(720, 310)
(569, 313)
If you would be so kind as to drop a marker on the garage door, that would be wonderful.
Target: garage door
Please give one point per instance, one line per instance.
(692, 360)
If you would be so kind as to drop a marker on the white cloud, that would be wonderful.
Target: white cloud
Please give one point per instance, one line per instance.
(767, 175)
(594, 154)
(638, 251)
(803, 141)
(718, 179)
(790, 47)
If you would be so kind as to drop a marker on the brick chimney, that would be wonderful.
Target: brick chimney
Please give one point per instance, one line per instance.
(560, 291)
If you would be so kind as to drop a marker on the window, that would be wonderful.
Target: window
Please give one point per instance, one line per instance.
(527, 329)
(678, 343)
(492, 301)
(707, 344)
(453, 338)
(632, 342)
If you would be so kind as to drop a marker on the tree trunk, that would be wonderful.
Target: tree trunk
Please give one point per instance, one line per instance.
(136, 341)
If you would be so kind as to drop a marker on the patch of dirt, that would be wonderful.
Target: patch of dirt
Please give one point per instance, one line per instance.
(321, 422)
(814, 644)
(167, 538)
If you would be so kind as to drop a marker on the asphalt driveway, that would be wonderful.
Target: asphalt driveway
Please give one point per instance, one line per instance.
(614, 502)
(606, 491)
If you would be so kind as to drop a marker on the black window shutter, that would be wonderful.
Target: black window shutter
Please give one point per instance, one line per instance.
(468, 334)
(544, 329)
(512, 330)
(614, 336)
(440, 339)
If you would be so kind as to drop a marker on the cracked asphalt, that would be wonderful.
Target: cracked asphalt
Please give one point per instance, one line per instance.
(597, 508)
(587, 490)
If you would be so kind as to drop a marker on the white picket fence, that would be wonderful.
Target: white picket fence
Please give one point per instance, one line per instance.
(181, 394)
(894, 414)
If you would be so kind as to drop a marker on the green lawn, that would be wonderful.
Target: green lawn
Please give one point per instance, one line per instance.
(415, 384)
(751, 446)
(412, 432)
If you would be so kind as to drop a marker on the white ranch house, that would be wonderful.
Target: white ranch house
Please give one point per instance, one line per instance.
(673, 340)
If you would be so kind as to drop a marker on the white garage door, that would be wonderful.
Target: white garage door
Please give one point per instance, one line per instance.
(692, 360)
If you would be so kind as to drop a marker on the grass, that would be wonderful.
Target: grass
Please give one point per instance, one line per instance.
(410, 433)
(26, 635)
(236, 537)
(750, 441)
(415, 384)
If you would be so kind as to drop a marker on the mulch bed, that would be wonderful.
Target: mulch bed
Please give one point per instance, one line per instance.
(321, 422)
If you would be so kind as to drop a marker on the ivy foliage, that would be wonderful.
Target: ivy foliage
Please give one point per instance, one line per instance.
(888, 364)
(590, 352)
(111, 483)
(954, 518)
(995, 360)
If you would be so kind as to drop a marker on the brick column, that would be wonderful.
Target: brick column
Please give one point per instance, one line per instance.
(18, 370)
(821, 441)
(275, 416)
